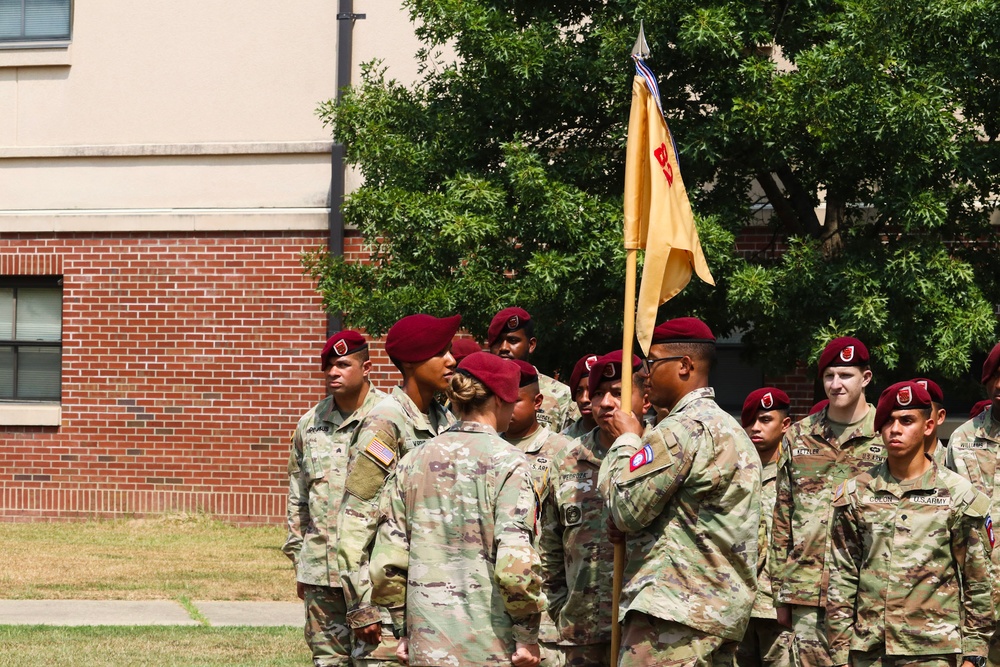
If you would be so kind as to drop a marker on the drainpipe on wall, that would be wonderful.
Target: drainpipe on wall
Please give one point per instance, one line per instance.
(345, 47)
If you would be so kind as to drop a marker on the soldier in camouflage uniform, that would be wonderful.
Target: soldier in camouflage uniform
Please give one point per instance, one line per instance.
(453, 560)
(578, 381)
(818, 453)
(419, 346)
(935, 448)
(316, 465)
(512, 336)
(688, 496)
(765, 418)
(974, 453)
(541, 446)
(577, 559)
(909, 579)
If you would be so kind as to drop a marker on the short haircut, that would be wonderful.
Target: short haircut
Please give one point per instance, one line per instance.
(703, 352)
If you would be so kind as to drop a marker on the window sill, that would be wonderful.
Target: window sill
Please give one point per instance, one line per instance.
(34, 54)
(30, 414)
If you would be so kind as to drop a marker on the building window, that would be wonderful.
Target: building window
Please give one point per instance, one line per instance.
(34, 20)
(30, 338)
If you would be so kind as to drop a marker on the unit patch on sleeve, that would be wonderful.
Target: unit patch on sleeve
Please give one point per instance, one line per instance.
(640, 458)
(989, 531)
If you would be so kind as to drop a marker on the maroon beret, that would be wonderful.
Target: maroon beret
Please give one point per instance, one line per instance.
(420, 337)
(499, 375)
(979, 408)
(932, 387)
(765, 398)
(609, 368)
(581, 370)
(508, 319)
(901, 396)
(819, 406)
(529, 374)
(843, 351)
(463, 347)
(341, 344)
(683, 330)
(992, 361)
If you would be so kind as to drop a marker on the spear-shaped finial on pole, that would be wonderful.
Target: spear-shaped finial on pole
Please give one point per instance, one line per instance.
(641, 48)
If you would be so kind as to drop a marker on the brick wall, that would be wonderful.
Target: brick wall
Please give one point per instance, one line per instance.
(187, 360)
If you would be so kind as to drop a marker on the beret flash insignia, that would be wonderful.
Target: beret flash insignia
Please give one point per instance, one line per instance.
(847, 354)
(767, 401)
(514, 322)
(340, 347)
(904, 396)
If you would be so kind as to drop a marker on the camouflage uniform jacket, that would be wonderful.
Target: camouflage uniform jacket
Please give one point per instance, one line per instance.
(392, 428)
(541, 447)
(453, 559)
(909, 566)
(316, 469)
(940, 454)
(576, 429)
(577, 558)
(763, 604)
(811, 463)
(558, 407)
(974, 451)
(688, 494)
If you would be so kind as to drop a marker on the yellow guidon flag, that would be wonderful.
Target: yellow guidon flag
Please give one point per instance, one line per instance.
(658, 215)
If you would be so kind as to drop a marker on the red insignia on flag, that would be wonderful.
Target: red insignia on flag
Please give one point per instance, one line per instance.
(904, 396)
(989, 531)
(767, 401)
(340, 347)
(640, 458)
(513, 322)
(847, 354)
(589, 363)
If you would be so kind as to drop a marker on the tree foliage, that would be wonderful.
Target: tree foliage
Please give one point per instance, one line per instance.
(497, 178)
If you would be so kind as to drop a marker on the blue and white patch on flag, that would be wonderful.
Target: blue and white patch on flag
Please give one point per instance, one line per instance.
(640, 458)
(382, 453)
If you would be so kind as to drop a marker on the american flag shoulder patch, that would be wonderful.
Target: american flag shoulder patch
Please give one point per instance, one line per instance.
(380, 451)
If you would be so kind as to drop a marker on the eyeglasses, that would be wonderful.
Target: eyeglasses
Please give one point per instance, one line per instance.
(649, 362)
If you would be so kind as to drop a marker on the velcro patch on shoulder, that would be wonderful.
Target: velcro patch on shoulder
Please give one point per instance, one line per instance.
(658, 451)
(977, 504)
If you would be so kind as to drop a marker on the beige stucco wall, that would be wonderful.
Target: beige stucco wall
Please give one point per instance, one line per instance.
(191, 104)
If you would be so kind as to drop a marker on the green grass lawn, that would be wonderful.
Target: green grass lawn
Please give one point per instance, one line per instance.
(38, 646)
(172, 557)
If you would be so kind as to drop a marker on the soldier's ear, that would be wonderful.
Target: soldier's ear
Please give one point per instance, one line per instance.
(532, 344)
(538, 401)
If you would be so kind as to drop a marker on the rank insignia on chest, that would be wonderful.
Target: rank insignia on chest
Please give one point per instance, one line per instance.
(381, 453)
(989, 531)
(640, 458)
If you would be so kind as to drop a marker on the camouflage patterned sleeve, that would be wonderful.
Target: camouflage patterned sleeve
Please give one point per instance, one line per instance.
(634, 494)
(390, 555)
(297, 513)
(356, 522)
(517, 566)
(781, 527)
(972, 547)
(845, 566)
(551, 552)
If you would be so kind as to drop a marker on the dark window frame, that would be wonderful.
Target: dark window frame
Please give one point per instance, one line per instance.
(41, 40)
(21, 282)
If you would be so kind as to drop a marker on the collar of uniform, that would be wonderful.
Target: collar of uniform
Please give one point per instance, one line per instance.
(691, 397)
(417, 418)
(769, 471)
(532, 444)
(987, 427)
(328, 412)
(473, 427)
(588, 446)
(866, 429)
(882, 480)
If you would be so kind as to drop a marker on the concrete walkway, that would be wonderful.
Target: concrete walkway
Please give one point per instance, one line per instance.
(148, 612)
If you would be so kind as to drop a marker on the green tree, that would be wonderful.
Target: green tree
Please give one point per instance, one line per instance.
(497, 179)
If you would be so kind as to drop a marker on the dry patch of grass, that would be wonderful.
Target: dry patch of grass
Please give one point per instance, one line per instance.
(36, 646)
(144, 559)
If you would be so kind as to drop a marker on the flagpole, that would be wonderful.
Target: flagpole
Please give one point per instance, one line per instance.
(627, 336)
